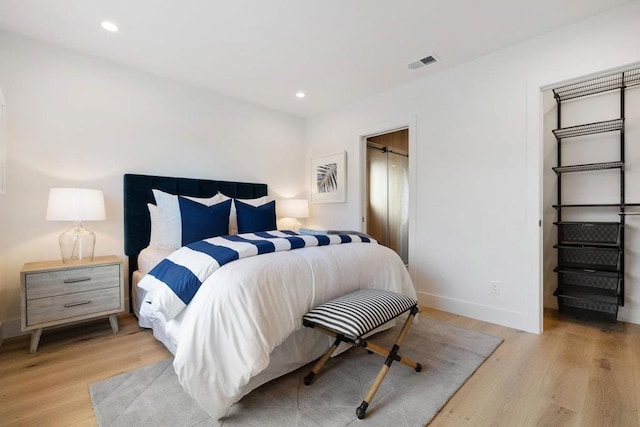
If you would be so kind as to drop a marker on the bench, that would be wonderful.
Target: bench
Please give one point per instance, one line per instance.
(351, 317)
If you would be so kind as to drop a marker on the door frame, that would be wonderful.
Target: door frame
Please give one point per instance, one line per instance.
(392, 126)
(535, 128)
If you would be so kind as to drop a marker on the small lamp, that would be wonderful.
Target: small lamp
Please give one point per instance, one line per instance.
(294, 209)
(77, 205)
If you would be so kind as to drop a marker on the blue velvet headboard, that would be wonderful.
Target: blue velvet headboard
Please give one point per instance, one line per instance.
(137, 193)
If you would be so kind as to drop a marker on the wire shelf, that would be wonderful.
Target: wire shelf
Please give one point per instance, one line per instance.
(589, 205)
(595, 205)
(588, 167)
(589, 129)
(598, 85)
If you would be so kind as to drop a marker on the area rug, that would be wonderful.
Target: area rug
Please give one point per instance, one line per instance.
(151, 396)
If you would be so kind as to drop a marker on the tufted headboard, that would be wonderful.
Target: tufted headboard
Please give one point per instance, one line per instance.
(137, 193)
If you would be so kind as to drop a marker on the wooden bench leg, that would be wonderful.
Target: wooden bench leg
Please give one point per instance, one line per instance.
(309, 377)
(391, 356)
(384, 352)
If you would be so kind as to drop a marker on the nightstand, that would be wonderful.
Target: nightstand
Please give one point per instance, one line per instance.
(53, 293)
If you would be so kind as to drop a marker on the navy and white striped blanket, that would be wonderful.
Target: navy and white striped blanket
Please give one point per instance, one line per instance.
(175, 280)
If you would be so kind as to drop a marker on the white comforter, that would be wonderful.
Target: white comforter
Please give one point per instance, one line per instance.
(248, 307)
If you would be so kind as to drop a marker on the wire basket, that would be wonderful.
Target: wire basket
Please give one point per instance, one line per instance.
(589, 258)
(590, 279)
(604, 233)
(567, 303)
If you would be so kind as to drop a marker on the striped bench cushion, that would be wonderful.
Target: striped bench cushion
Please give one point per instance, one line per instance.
(359, 312)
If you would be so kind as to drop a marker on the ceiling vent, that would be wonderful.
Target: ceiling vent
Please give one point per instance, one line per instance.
(422, 62)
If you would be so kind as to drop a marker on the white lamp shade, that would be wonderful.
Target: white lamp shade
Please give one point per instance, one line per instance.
(75, 204)
(294, 208)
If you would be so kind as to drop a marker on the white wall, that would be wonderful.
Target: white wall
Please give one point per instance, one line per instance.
(73, 120)
(478, 156)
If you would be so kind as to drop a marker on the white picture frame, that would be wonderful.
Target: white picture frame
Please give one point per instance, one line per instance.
(329, 178)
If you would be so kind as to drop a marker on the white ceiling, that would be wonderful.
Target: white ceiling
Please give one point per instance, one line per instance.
(264, 51)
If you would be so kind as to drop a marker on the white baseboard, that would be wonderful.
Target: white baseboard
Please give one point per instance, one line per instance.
(497, 315)
(628, 315)
(550, 301)
(11, 328)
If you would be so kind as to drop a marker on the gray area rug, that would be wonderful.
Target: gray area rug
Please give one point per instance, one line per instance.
(151, 396)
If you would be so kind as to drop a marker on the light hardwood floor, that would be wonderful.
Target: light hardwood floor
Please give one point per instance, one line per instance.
(575, 374)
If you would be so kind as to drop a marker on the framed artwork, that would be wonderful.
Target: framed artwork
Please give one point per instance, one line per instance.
(328, 178)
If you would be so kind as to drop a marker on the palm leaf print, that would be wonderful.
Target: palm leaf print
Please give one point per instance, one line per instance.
(327, 178)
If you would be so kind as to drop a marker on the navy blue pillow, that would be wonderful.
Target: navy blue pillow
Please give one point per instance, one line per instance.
(202, 222)
(252, 219)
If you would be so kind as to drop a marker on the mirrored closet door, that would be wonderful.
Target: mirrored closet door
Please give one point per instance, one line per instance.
(388, 190)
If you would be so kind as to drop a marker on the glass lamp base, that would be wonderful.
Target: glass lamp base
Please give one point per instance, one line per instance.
(289, 224)
(77, 244)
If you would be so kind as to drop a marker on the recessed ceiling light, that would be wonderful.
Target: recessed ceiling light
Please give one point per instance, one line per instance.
(300, 94)
(109, 26)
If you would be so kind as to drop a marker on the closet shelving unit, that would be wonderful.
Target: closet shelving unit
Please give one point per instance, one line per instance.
(591, 254)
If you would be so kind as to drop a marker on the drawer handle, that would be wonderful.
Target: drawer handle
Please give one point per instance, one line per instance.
(79, 279)
(73, 304)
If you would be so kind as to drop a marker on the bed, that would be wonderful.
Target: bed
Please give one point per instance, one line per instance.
(243, 326)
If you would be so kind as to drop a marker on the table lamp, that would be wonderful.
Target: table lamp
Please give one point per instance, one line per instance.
(77, 205)
(294, 209)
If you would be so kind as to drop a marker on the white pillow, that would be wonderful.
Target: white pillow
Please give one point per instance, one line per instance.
(166, 227)
(233, 217)
(207, 201)
(160, 235)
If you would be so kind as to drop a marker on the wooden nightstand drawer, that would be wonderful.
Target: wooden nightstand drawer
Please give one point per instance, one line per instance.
(61, 282)
(72, 305)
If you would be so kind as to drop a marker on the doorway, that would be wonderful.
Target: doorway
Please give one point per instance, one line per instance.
(387, 190)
